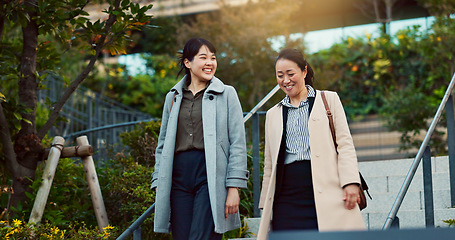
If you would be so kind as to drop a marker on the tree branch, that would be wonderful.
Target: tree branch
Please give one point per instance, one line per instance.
(2, 17)
(376, 11)
(365, 9)
(74, 14)
(2, 24)
(81, 77)
(8, 148)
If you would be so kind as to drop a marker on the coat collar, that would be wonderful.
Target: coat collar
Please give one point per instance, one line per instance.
(215, 86)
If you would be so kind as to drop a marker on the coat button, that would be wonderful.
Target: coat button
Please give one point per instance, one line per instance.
(317, 155)
(320, 191)
(211, 97)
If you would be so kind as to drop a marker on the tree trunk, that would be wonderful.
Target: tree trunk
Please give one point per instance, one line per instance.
(27, 145)
(388, 10)
(2, 24)
(2, 16)
(7, 145)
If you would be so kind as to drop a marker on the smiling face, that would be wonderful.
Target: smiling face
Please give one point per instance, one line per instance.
(203, 66)
(291, 78)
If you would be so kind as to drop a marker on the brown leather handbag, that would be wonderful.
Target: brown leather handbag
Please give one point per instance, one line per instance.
(363, 184)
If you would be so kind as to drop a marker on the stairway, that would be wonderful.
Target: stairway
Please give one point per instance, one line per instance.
(385, 179)
(86, 110)
(373, 141)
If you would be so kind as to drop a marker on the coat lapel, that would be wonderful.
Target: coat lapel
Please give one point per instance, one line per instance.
(276, 133)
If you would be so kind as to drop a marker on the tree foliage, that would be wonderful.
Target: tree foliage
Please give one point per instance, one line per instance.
(34, 35)
(144, 91)
(402, 77)
(242, 36)
(439, 7)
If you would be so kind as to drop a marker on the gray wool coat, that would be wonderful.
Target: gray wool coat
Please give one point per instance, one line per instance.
(225, 152)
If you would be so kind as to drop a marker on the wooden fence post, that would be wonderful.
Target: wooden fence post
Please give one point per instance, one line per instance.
(74, 151)
(48, 177)
(94, 186)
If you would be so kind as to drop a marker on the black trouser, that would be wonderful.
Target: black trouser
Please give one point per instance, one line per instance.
(191, 215)
(294, 207)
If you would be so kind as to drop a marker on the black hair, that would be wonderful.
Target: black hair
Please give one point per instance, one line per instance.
(296, 56)
(190, 50)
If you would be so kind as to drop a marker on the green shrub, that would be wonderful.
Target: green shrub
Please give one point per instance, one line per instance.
(450, 222)
(125, 185)
(17, 229)
(142, 141)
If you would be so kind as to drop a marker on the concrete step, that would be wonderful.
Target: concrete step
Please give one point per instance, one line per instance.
(413, 200)
(253, 225)
(400, 167)
(392, 184)
(408, 218)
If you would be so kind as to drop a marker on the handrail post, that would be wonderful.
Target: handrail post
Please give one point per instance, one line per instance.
(137, 234)
(407, 181)
(137, 223)
(256, 165)
(395, 223)
(451, 145)
(428, 188)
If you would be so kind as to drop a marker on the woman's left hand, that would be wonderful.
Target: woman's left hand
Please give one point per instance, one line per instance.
(351, 196)
(232, 202)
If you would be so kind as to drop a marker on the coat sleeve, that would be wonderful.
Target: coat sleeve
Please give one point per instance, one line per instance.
(237, 173)
(267, 166)
(347, 157)
(161, 138)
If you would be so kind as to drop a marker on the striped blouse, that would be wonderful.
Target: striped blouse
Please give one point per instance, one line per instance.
(297, 134)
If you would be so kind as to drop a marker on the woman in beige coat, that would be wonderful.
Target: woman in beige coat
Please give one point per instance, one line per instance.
(308, 184)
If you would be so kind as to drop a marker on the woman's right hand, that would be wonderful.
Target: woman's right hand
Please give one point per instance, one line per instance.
(232, 201)
(351, 196)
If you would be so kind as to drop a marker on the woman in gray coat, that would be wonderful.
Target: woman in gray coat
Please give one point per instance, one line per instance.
(201, 153)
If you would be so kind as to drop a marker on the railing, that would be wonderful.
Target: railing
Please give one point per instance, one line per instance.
(256, 156)
(447, 102)
(86, 109)
(135, 228)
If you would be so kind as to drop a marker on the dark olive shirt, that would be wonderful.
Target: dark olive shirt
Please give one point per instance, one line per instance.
(190, 134)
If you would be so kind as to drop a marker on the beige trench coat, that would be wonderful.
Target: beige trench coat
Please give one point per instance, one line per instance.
(330, 171)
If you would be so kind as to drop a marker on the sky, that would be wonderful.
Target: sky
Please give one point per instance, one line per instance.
(314, 41)
(323, 39)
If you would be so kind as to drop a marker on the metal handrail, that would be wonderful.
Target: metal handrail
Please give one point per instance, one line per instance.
(137, 223)
(245, 118)
(261, 103)
(71, 135)
(416, 162)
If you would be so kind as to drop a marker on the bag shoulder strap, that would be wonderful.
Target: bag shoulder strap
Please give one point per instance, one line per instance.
(332, 129)
(329, 115)
(364, 185)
